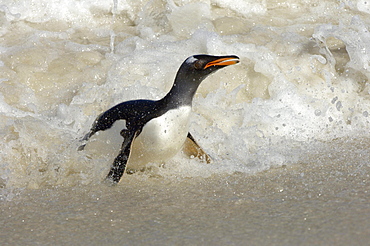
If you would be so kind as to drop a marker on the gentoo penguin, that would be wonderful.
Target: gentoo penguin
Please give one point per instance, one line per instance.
(156, 130)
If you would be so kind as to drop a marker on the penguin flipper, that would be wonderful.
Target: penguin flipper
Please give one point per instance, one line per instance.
(120, 162)
(191, 148)
(105, 121)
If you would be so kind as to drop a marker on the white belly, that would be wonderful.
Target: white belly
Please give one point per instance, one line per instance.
(161, 138)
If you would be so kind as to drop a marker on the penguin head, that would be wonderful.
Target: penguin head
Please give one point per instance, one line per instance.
(193, 71)
(198, 67)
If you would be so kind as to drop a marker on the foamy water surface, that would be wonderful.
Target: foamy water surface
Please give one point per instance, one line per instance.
(287, 127)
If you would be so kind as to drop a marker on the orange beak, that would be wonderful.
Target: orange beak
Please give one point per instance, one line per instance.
(222, 62)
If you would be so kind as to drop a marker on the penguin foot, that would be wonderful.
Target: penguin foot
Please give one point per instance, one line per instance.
(192, 149)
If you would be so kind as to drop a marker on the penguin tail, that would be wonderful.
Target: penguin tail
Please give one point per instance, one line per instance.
(81, 147)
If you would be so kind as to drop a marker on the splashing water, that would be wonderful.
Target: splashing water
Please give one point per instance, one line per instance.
(296, 83)
(299, 99)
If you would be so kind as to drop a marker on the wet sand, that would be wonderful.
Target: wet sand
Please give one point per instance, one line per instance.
(321, 203)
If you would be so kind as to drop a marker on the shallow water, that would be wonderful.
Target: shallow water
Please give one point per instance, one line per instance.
(287, 127)
(320, 203)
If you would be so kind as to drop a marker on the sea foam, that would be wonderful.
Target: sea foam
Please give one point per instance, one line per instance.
(63, 63)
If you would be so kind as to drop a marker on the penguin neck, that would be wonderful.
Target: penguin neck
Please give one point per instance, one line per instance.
(182, 92)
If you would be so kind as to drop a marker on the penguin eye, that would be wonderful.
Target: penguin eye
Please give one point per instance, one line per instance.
(198, 65)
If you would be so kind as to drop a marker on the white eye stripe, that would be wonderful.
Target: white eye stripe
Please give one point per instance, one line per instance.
(191, 60)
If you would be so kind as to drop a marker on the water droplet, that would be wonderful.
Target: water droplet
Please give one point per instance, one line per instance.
(338, 105)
